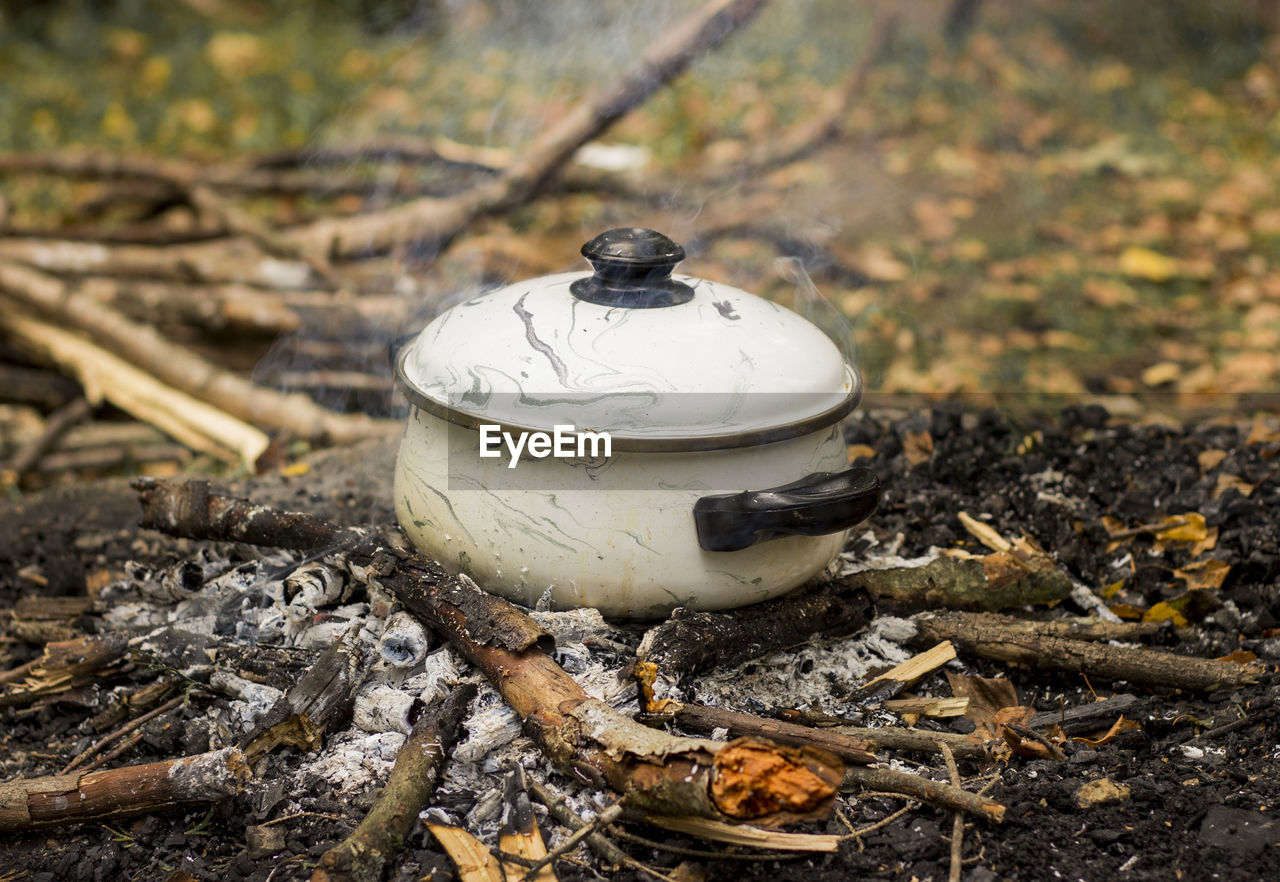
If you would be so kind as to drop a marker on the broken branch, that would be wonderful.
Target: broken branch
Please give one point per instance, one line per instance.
(121, 793)
(417, 770)
(1007, 640)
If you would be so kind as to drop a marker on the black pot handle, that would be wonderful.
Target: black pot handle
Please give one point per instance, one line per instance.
(817, 504)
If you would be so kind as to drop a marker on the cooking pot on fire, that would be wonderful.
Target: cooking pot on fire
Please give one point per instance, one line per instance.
(627, 439)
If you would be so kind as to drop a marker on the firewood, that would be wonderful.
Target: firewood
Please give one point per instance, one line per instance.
(744, 780)
(64, 666)
(42, 389)
(704, 718)
(1005, 639)
(217, 261)
(108, 377)
(690, 641)
(437, 221)
(58, 800)
(417, 771)
(319, 703)
(990, 582)
(179, 367)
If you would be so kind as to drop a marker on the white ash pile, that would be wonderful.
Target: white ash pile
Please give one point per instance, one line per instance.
(202, 617)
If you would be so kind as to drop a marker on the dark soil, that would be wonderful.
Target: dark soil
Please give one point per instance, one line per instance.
(1198, 807)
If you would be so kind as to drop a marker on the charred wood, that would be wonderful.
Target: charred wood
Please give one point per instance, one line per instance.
(82, 797)
(1008, 640)
(690, 641)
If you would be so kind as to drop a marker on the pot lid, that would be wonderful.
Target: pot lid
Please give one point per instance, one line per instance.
(658, 361)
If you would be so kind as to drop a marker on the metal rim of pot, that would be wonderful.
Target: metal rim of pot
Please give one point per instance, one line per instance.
(636, 444)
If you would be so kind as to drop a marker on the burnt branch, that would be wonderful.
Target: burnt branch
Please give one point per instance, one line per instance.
(413, 781)
(690, 642)
(1010, 640)
(58, 800)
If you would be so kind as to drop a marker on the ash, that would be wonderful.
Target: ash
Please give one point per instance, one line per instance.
(207, 617)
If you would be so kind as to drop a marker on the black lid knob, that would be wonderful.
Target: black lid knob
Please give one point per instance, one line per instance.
(633, 270)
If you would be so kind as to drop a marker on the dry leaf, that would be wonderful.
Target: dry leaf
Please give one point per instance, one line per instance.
(1210, 459)
(1101, 792)
(1204, 575)
(1161, 372)
(860, 451)
(1126, 611)
(1240, 657)
(1227, 482)
(1189, 527)
(1261, 433)
(1120, 725)
(1205, 544)
(917, 447)
(1165, 612)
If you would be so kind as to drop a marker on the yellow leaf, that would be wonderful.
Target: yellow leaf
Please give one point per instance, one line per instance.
(116, 123)
(1206, 544)
(1189, 527)
(298, 468)
(1163, 612)
(1161, 372)
(1205, 574)
(1112, 590)
(1143, 263)
(155, 74)
(1126, 611)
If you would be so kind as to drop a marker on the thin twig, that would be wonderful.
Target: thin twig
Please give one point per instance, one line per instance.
(957, 823)
(121, 732)
(606, 817)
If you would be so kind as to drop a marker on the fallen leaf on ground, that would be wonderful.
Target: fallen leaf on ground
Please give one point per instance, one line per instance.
(1210, 459)
(917, 447)
(1204, 574)
(1120, 725)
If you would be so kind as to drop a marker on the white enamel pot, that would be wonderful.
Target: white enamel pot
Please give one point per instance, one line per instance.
(723, 481)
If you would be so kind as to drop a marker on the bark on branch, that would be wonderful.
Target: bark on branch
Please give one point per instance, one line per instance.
(121, 793)
(1010, 640)
(743, 780)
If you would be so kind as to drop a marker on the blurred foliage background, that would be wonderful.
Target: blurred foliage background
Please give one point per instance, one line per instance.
(1062, 198)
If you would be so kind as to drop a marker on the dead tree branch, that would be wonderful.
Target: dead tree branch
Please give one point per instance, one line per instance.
(689, 641)
(179, 367)
(121, 793)
(363, 855)
(1007, 640)
(742, 780)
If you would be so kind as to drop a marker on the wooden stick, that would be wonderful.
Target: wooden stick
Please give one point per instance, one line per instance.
(63, 666)
(1005, 639)
(124, 730)
(437, 221)
(560, 810)
(744, 780)
(58, 800)
(414, 777)
(703, 718)
(898, 678)
(106, 376)
(235, 260)
(55, 427)
(690, 641)
(925, 790)
(957, 823)
(180, 367)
